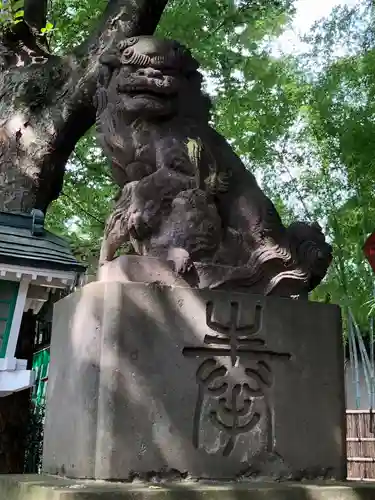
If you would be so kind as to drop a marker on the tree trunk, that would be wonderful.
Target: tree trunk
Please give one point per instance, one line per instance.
(46, 105)
(46, 102)
(39, 128)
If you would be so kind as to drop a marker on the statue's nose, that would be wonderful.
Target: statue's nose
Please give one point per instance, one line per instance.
(150, 73)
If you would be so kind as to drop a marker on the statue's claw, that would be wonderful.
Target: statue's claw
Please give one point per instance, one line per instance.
(137, 226)
(181, 261)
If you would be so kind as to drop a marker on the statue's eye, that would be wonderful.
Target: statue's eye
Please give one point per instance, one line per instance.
(127, 55)
(128, 52)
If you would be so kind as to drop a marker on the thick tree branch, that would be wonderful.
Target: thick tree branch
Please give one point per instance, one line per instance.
(123, 18)
(52, 99)
(35, 14)
(27, 32)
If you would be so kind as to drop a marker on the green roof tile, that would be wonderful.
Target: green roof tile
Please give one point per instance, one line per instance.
(25, 242)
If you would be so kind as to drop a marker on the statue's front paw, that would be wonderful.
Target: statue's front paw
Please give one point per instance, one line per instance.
(137, 226)
(180, 260)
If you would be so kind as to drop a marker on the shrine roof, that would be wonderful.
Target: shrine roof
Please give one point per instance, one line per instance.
(24, 241)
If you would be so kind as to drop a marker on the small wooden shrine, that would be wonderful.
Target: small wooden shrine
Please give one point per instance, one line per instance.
(33, 263)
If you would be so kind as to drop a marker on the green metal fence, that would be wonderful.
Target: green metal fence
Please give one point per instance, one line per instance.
(41, 359)
(40, 366)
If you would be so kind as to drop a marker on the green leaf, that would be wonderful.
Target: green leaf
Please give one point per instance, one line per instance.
(19, 14)
(47, 29)
(19, 4)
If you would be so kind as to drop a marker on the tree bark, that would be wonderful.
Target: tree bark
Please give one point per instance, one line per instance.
(46, 105)
(35, 13)
(46, 102)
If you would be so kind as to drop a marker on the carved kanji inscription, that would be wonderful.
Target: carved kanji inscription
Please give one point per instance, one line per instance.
(233, 379)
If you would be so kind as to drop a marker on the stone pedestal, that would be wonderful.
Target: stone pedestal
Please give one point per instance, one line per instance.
(156, 381)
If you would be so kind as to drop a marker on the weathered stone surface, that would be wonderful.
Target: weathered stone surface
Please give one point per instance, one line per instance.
(186, 196)
(45, 487)
(139, 269)
(164, 382)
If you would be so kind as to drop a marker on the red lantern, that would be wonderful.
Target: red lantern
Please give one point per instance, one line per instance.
(369, 250)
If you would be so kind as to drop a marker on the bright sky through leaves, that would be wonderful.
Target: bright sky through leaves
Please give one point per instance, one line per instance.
(307, 13)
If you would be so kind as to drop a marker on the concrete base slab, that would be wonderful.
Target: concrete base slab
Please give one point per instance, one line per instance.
(44, 487)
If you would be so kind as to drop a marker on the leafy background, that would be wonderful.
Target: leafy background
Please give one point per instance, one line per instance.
(303, 121)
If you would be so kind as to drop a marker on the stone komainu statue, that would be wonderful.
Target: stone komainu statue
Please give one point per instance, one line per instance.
(186, 196)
